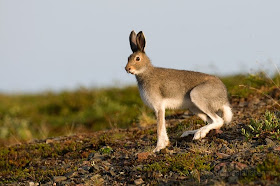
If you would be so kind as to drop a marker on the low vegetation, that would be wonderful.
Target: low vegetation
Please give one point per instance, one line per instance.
(245, 152)
(266, 127)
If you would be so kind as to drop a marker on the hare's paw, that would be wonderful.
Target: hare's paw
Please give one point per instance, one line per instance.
(161, 145)
(201, 133)
(157, 149)
(189, 132)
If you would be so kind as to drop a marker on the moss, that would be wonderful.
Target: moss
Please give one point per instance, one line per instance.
(267, 171)
(182, 164)
(24, 162)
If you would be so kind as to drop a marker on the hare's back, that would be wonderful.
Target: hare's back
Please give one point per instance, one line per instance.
(176, 82)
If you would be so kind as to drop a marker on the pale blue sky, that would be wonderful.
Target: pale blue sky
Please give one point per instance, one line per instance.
(64, 44)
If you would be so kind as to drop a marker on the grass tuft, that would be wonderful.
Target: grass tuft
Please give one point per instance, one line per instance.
(268, 126)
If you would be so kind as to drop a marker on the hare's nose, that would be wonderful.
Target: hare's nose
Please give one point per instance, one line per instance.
(127, 69)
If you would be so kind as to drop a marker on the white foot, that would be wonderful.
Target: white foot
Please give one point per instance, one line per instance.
(190, 132)
(161, 145)
(201, 133)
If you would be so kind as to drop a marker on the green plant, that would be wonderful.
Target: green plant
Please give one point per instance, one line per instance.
(268, 170)
(268, 126)
(106, 150)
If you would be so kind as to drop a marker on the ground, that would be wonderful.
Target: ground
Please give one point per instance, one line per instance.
(244, 152)
(124, 156)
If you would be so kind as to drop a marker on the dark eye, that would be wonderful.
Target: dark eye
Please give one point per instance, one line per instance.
(137, 58)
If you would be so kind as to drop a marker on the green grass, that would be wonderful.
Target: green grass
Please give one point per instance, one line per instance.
(24, 117)
(244, 85)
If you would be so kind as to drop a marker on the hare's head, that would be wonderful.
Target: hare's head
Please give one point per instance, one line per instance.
(138, 61)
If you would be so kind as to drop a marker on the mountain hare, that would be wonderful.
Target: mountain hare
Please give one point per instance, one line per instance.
(163, 88)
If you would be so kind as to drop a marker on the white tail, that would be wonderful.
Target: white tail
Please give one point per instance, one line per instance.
(227, 114)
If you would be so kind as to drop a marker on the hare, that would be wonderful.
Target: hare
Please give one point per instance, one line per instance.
(163, 88)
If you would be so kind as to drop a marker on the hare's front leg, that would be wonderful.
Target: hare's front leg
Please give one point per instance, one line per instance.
(162, 138)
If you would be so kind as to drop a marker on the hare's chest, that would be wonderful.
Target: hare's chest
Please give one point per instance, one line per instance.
(147, 97)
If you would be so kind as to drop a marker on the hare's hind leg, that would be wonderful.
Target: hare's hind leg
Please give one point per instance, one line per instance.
(200, 114)
(206, 99)
(203, 131)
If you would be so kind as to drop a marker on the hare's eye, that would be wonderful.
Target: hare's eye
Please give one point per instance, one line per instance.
(137, 58)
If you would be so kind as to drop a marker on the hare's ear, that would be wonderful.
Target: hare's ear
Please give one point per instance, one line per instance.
(132, 40)
(141, 42)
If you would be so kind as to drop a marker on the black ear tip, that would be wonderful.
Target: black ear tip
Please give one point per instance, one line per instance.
(141, 34)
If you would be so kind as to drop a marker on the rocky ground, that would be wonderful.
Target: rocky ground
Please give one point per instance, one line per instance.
(124, 156)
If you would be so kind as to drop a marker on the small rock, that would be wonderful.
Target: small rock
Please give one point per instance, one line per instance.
(269, 142)
(97, 180)
(182, 177)
(48, 141)
(71, 174)
(90, 156)
(33, 184)
(126, 156)
(112, 173)
(138, 181)
(240, 166)
(222, 155)
(243, 104)
(233, 179)
(82, 171)
(86, 167)
(52, 140)
(220, 166)
(59, 178)
(277, 148)
(253, 102)
(106, 163)
(142, 156)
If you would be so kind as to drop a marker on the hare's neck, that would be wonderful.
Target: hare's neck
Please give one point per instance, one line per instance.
(142, 77)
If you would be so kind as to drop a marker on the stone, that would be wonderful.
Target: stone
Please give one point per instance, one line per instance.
(33, 184)
(59, 178)
(138, 181)
(222, 155)
(269, 142)
(239, 165)
(142, 156)
(233, 179)
(71, 174)
(90, 156)
(220, 166)
(112, 173)
(96, 180)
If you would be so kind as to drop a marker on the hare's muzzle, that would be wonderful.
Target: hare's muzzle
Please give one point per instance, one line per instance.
(128, 69)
